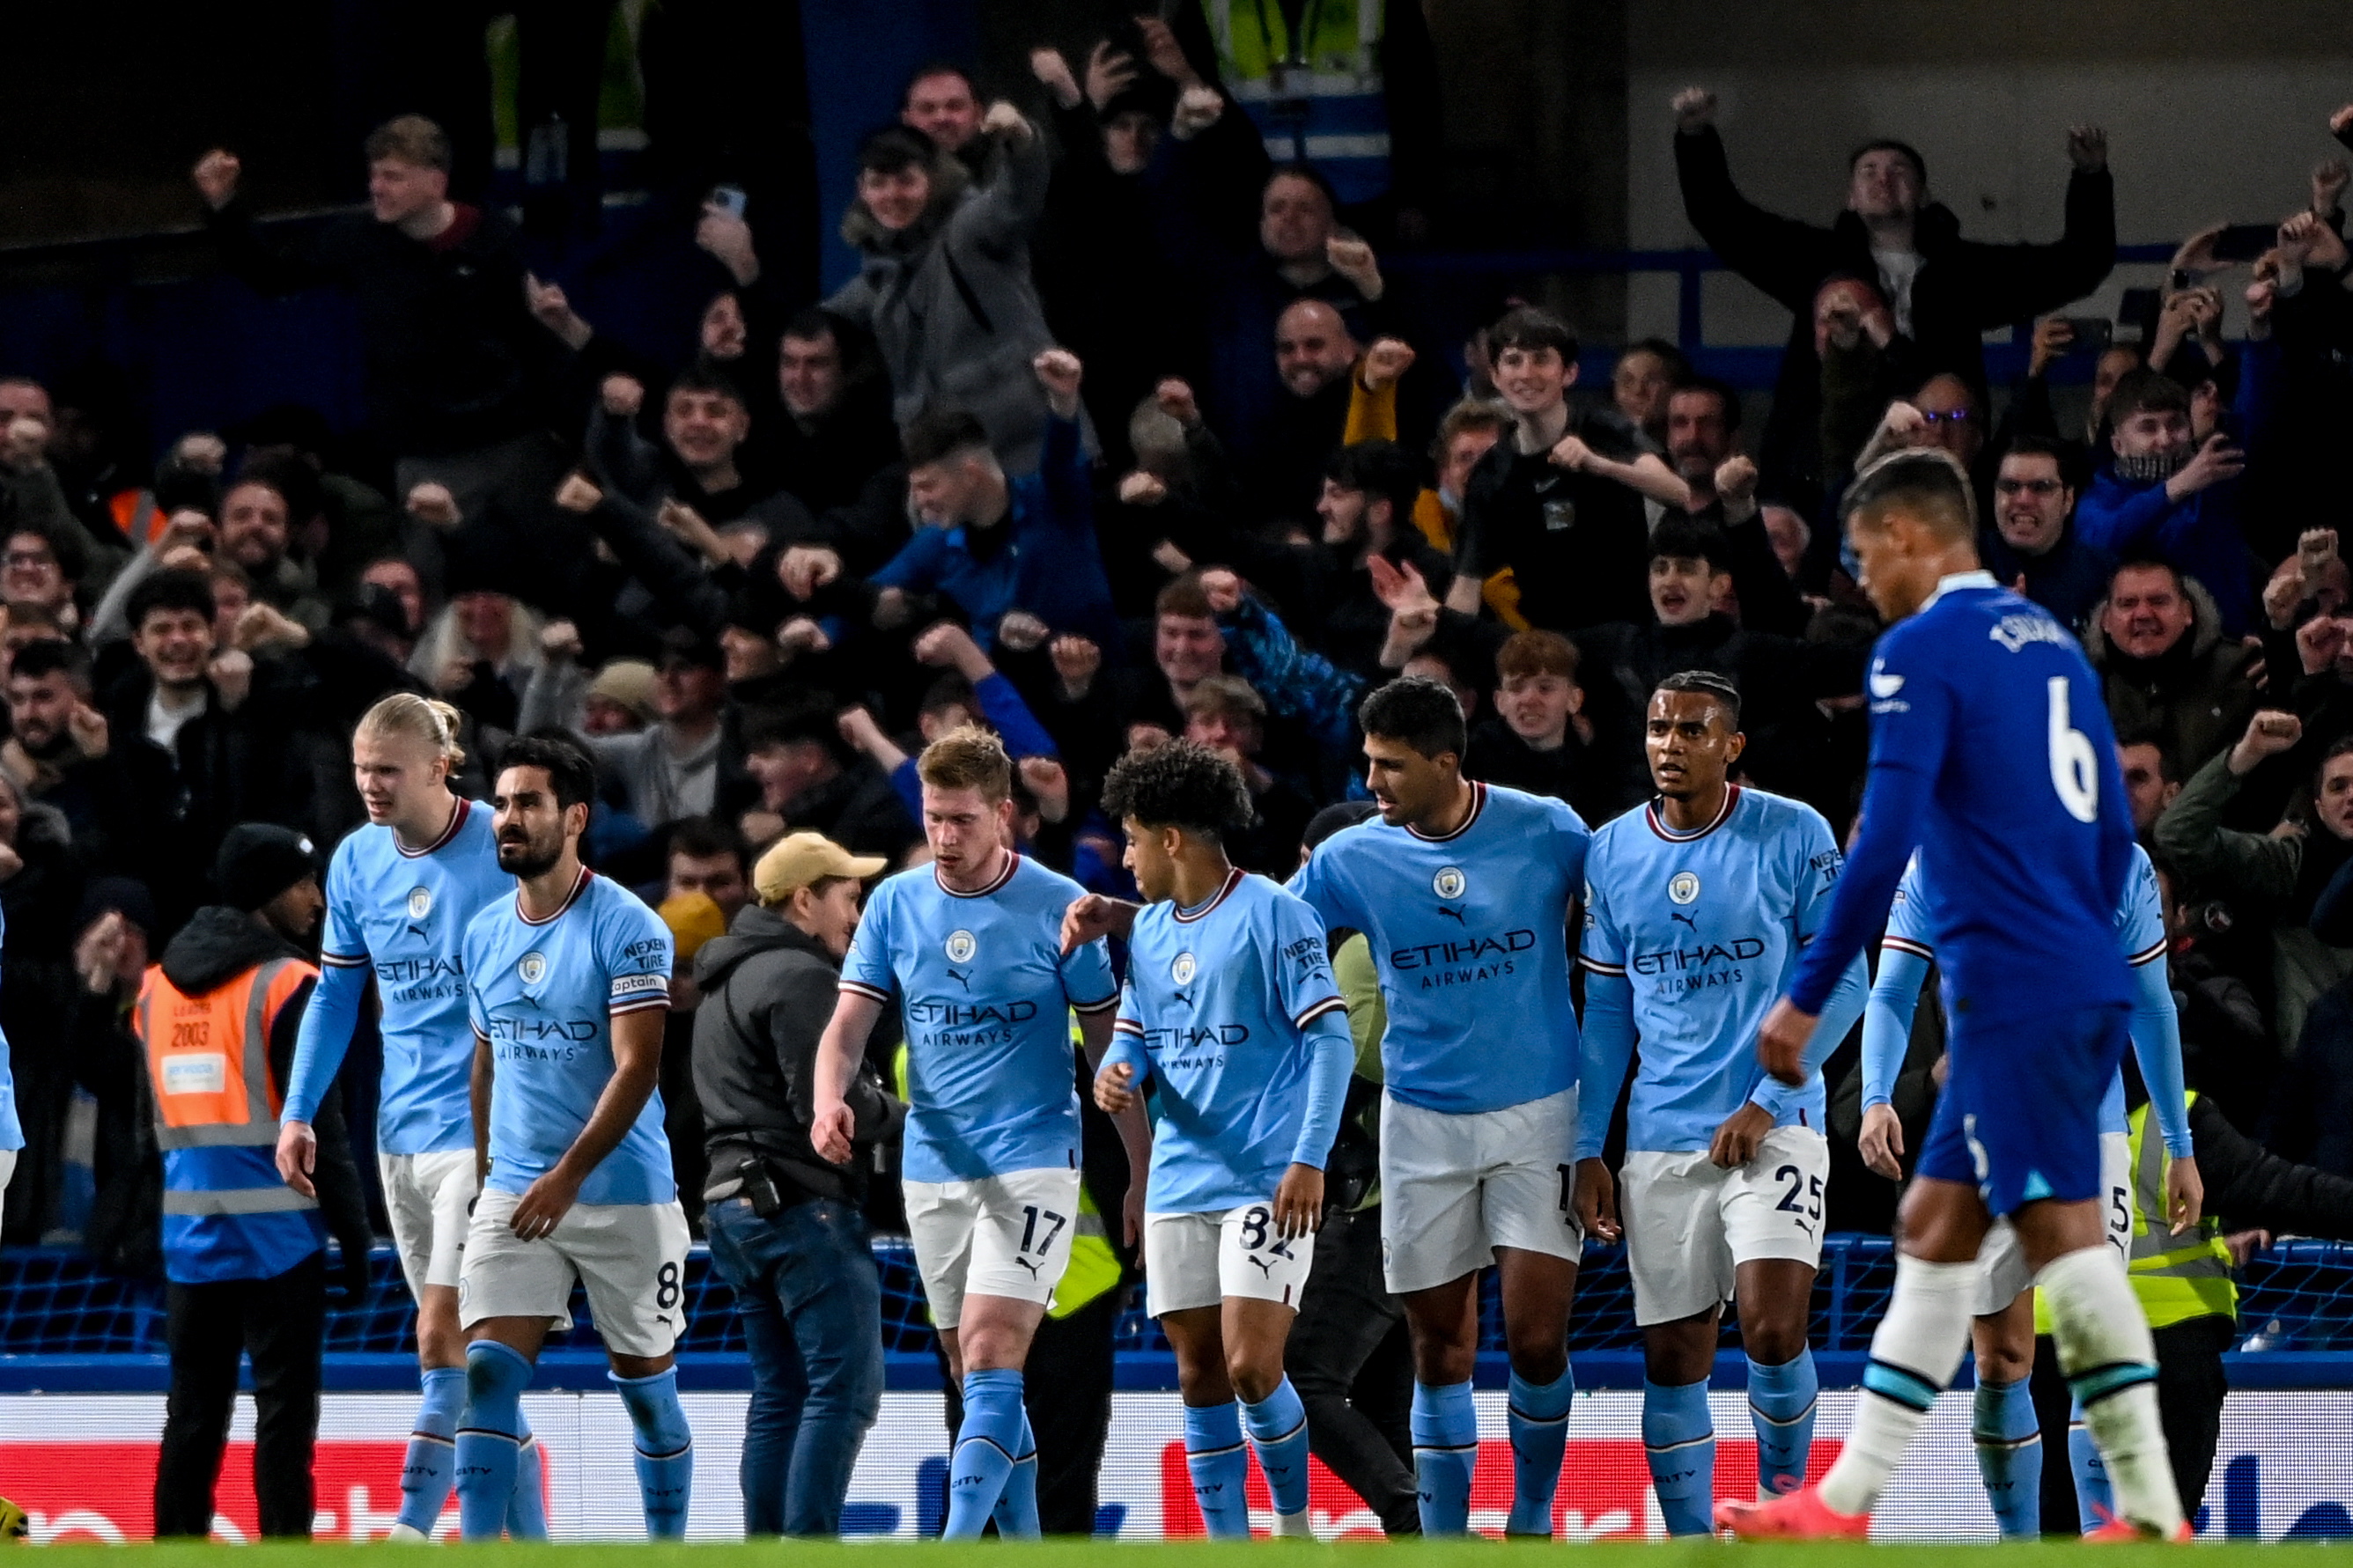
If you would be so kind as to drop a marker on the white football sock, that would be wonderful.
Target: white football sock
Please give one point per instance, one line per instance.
(1913, 1356)
(2110, 1360)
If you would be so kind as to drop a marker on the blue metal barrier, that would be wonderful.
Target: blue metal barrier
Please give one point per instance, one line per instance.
(64, 1325)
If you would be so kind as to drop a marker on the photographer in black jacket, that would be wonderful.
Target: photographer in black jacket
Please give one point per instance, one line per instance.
(785, 1226)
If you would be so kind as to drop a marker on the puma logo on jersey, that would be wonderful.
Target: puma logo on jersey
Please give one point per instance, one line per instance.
(1687, 919)
(1264, 1266)
(1029, 1266)
(1182, 998)
(958, 976)
(1453, 914)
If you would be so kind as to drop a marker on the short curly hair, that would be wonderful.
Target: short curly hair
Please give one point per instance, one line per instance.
(1182, 784)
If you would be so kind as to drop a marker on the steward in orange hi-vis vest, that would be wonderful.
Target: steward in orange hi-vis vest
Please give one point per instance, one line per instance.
(244, 1253)
(216, 1103)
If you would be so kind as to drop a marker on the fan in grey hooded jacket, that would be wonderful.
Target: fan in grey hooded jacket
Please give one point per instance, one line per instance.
(944, 287)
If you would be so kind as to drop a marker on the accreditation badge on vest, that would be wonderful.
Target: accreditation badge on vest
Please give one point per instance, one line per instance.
(195, 1072)
(1559, 515)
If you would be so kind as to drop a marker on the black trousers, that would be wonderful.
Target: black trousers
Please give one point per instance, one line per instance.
(282, 1324)
(2190, 1385)
(1352, 1363)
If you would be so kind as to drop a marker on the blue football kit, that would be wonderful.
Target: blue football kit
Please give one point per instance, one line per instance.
(1689, 938)
(1470, 936)
(543, 993)
(1231, 1015)
(1991, 752)
(1909, 947)
(984, 991)
(401, 914)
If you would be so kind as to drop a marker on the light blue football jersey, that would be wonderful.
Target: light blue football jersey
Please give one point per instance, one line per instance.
(985, 993)
(543, 994)
(403, 913)
(2140, 938)
(1706, 928)
(1469, 935)
(1219, 998)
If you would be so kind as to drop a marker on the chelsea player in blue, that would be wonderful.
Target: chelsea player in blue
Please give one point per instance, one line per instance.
(1990, 752)
(968, 946)
(1696, 907)
(1463, 891)
(1231, 1013)
(2004, 1426)
(399, 894)
(567, 981)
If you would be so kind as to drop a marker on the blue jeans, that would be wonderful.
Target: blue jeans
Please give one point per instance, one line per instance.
(812, 1305)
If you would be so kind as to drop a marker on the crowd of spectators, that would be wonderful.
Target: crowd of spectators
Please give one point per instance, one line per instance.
(1115, 437)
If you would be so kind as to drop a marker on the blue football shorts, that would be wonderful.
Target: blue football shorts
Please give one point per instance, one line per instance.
(2018, 1118)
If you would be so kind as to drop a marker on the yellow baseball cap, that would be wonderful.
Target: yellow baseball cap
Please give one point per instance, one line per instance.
(795, 860)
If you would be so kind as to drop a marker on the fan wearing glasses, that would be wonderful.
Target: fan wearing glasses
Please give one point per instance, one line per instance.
(2030, 543)
(1945, 413)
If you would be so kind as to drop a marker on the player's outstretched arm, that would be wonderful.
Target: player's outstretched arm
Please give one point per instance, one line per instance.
(2157, 1046)
(1109, 1047)
(1331, 1062)
(479, 1095)
(325, 1036)
(833, 1124)
(1894, 798)
(1848, 1002)
(1093, 916)
(636, 1070)
(1103, 1050)
(1887, 1016)
(1605, 1049)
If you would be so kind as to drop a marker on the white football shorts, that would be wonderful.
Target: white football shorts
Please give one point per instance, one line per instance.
(2002, 1272)
(1454, 1187)
(1200, 1260)
(630, 1257)
(997, 1235)
(429, 1197)
(1690, 1223)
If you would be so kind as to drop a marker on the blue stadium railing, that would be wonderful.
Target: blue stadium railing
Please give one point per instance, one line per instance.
(66, 1326)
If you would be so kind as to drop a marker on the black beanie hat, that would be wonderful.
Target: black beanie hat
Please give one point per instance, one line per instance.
(259, 861)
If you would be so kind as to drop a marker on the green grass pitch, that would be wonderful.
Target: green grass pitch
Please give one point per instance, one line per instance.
(1092, 1555)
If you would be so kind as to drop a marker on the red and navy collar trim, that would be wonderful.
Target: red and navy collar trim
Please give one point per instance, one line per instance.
(1659, 826)
(1012, 864)
(1478, 805)
(570, 899)
(457, 820)
(1198, 911)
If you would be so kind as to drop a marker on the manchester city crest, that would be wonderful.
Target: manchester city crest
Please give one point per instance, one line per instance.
(961, 947)
(1683, 887)
(1449, 883)
(420, 902)
(531, 967)
(1181, 970)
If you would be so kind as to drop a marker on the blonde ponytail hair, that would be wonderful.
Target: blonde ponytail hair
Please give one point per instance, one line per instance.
(427, 719)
